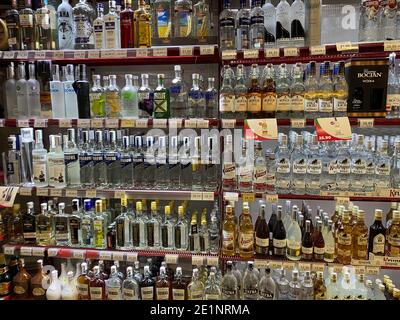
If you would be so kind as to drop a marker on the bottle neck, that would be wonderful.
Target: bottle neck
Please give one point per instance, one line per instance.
(145, 82)
(128, 82)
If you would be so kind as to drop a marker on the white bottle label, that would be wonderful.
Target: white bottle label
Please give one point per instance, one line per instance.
(129, 294)
(39, 168)
(319, 250)
(339, 105)
(241, 104)
(110, 31)
(162, 293)
(310, 105)
(147, 293)
(325, 106)
(306, 250)
(228, 238)
(283, 165)
(283, 102)
(178, 294)
(96, 293)
(299, 166)
(297, 103)
(314, 166)
(378, 244)
(358, 166)
(56, 171)
(26, 20)
(83, 289)
(114, 293)
(226, 102)
(279, 243)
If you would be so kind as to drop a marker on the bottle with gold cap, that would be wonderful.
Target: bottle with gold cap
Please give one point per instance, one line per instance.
(377, 236)
(229, 233)
(138, 228)
(123, 228)
(181, 231)
(99, 227)
(15, 226)
(389, 215)
(344, 241)
(194, 239)
(167, 230)
(246, 234)
(153, 228)
(360, 237)
(204, 234)
(393, 236)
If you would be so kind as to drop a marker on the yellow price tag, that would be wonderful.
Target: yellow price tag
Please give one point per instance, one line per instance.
(248, 197)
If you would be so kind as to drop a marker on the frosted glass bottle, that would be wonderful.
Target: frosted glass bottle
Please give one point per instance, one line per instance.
(70, 98)
(57, 94)
(33, 94)
(10, 91)
(69, 291)
(129, 99)
(54, 290)
(22, 93)
(56, 165)
(71, 156)
(65, 24)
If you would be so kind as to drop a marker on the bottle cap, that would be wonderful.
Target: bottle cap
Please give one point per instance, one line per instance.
(153, 206)
(138, 206)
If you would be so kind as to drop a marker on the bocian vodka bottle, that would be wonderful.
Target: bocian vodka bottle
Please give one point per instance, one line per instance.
(39, 161)
(65, 24)
(343, 166)
(11, 93)
(71, 156)
(227, 27)
(329, 166)
(269, 23)
(137, 157)
(282, 166)
(57, 94)
(70, 97)
(34, 106)
(149, 163)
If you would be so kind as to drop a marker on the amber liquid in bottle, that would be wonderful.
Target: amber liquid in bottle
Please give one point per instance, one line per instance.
(163, 291)
(319, 243)
(377, 236)
(229, 233)
(83, 283)
(360, 237)
(21, 282)
(254, 94)
(179, 291)
(37, 290)
(246, 236)
(307, 243)
(393, 236)
(269, 94)
(344, 240)
(97, 286)
(147, 285)
(262, 236)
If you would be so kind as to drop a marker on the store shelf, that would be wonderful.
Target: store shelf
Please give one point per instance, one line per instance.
(118, 193)
(330, 52)
(171, 256)
(384, 195)
(146, 56)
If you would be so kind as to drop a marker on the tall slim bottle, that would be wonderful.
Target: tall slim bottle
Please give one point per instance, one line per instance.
(57, 94)
(81, 87)
(246, 234)
(161, 99)
(98, 28)
(45, 22)
(22, 93)
(65, 25)
(71, 156)
(13, 27)
(34, 106)
(13, 163)
(39, 161)
(26, 157)
(70, 96)
(97, 99)
(111, 27)
(27, 26)
(113, 98)
(127, 23)
(142, 26)
(269, 23)
(10, 88)
(56, 165)
(83, 25)
(129, 99)
(243, 26)
(86, 161)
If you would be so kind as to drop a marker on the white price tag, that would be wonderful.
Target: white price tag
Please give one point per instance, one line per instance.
(119, 194)
(160, 52)
(120, 54)
(107, 54)
(25, 251)
(112, 123)
(38, 252)
(231, 196)
(78, 254)
(97, 123)
(42, 192)
(65, 123)
(55, 192)
(372, 270)
(142, 52)
(346, 46)
(272, 53)
(202, 124)
(127, 123)
(79, 54)
(366, 123)
(93, 54)
(22, 54)
(185, 51)
(25, 191)
(105, 255)
(228, 123)
(318, 50)
(248, 197)
(9, 250)
(196, 196)
(250, 54)
(71, 193)
(131, 256)
(212, 261)
(91, 193)
(40, 55)
(297, 123)
(360, 269)
(271, 198)
(391, 45)
(190, 123)
(141, 123)
(229, 55)
(208, 196)
(9, 55)
(52, 252)
(261, 263)
(337, 268)
(175, 123)
(160, 123)
(206, 50)
(290, 52)
(119, 256)
(58, 55)
(342, 201)
(23, 123)
(83, 123)
(40, 123)
(171, 258)
(197, 260)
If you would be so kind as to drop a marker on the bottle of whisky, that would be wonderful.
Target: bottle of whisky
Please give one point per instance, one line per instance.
(254, 96)
(162, 286)
(179, 286)
(97, 287)
(360, 238)
(269, 91)
(29, 224)
(229, 233)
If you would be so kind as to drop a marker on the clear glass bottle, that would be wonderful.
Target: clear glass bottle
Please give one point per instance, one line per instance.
(113, 98)
(388, 20)
(227, 96)
(138, 162)
(27, 26)
(329, 254)
(167, 230)
(99, 227)
(129, 99)
(393, 89)
(196, 99)
(84, 15)
(162, 102)
(369, 25)
(314, 167)
(245, 170)
(183, 18)
(343, 166)
(57, 95)
(295, 289)
(138, 227)
(257, 29)
(340, 91)
(297, 90)
(86, 160)
(70, 96)
(283, 100)
(13, 163)
(123, 227)
(98, 28)
(243, 26)
(61, 226)
(250, 283)
(45, 22)
(56, 165)
(382, 166)
(99, 165)
(325, 91)
(260, 169)
(75, 224)
(294, 237)
(282, 285)
(269, 23)
(307, 287)
(229, 284)
(114, 285)
(283, 166)
(162, 21)
(146, 98)
(213, 233)
(112, 31)
(240, 90)
(13, 27)
(149, 164)
(267, 287)
(212, 290)
(178, 94)
(185, 175)
(130, 287)
(34, 106)
(227, 27)
(71, 156)
(11, 96)
(181, 231)
(44, 227)
(153, 228)
(39, 161)
(112, 159)
(297, 23)
(126, 163)
(395, 169)
(299, 167)
(283, 26)
(97, 99)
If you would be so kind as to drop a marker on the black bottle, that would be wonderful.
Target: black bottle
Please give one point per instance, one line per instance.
(279, 236)
(29, 225)
(81, 87)
(111, 236)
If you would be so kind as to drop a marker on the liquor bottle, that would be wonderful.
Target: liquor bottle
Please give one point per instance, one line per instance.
(325, 91)
(84, 15)
(377, 233)
(29, 224)
(162, 286)
(393, 232)
(179, 291)
(185, 159)
(344, 240)
(279, 235)
(314, 167)
(273, 219)
(123, 228)
(54, 290)
(195, 289)
(98, 28)
(138, 164)
(142, 26)
(178, 94)
(161, 170)
(36, 283)
(112, 160)
(307, 288)
(126, 161)
(75, 223)
(229, 233)
(97, 99)
(39, 161)
(297, 90)
(307, 243)
(61, 226)
(389, 215)
(212, 291)
(254, 101)
(299, 167)
(127, 23)
(82, 88)
(262, 235)
(138, 228)
(382, 168)
(21, 282)
(56, 165)
(13, 27)
(147, 290)
(149, 164)
(293, 236)
(181, 231)
(340, 91)
(83, 283)
(283, 25)
(69, 290)
(246, 234)
(27, 26)
(26, 146)
(162, 20)
(358, 165)
(393, 89)
(15, 226)
(130, 287)
(97, 288)
(201, 20)
(86, 160)
(65, 26)
(269, 90)
(44, 227)
(227, 27)
(198, 167)
(295, 290)
(146, 98)
(343, 167)
(260, 169)
(250, 283)
(129, 99)
(167, 229)
(211, 162)
(34, 107)
(257, 29)
(329, 240)
(269, 23)
(360, 238)
(229, 182)
(283, 165)
(57, 94)
(243, 27)
(71, 154)
(388, 20)
(196, 100)
(311, 92)
(11, 96)
(153, 228)
(240, 103)
(229, 284)
(282, 285)
(329, 166)
(87, 224)
(70, 95)
(395, 169)
(369, 25)
(161, 99)
(194, 239)
(99, 227)
(113, 98)
(245, 170)
(297, 23)
(319, 243)
(283, 100)
(45, 23)
(13, 163)
(111, 28)
(227, 96)
(183, 18)
(114, 285)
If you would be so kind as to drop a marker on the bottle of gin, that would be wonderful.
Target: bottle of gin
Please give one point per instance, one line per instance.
(71, 156)
(111, 27)
(56, 165)
(84, 15)
(129, 99)
(97, 99)
(113, 98)
(227, 27)
(243, 26)
(39, 161)
(98, 28)
(65, 24)
(161, 99)
(27, 26)
(13, 27)
(45, 22)
(142, 26)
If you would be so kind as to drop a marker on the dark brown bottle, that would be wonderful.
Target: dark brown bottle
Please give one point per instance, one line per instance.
(21, 282)
(279, 236)
(147, 291)
(37, 290)
(307, 243)
(377, 232)
(97, 286)
(319, 243)
(179, 285)
(5, 278)
(262, 235)
(163, 291)
(83, 283)
(269, 91)
(254, 95)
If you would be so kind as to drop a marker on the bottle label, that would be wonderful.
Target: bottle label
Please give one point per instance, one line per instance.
(319, 250)
(228, 238)
(56, 170)
(246, 177)
(283, 165)
(254, 102)
(5, 288)
(297, 102)
(358, 166)
(210, 296)
(96, 293)
(43, 20)
(43, 236)
(370, 169)
(83, 29)
(114, 293)
(26, 20)
(70, 158)
(379, 244)
(299, 166)
(184, 22)
(314, 166)
(306, 250)
(85, 160)
(382, 170)
(339, 105)
(196, 295)
(283, 102)
(129, 294)
(293, 247)
(329, 250)
(178, 294)
(393, 102)
(262, 242)
(229, 172)
(147, 293)
(160, 102)
(269, 102)
(83, 289)
(344, 166)
(109, 26)
(310, 105)
(393, 240)
(226, 102)
(279, 243)
(362, 239)
(19, 289)
(267, 295)
(325, 105)
(113, 103)
(344, 239)
(163, 23)
(162, 293)
(241, 103)
(227, 22)
(343, 252)
(39, 168)
(332, 167)
(260, 176)
(65, 31)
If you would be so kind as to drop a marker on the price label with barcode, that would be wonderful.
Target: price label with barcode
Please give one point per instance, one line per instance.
(337, 268)
(25, 251)
(83, 123)
(304, 266)
(40, 123)
(22, 54)
(291, 52)
(372, 270)
(231, 196)
(366, 123)
(52, 252)
(197, 260)
(212, 261)
(65, 123)
(391, 45)
(175, 123)
(191, 123)
(342, 201)
(297, 123)
(131, 256)
(272, 53)
(105, 255)
(40, 54)
(141, 123)
(359, 269)
(318, 50)
(206, 50)
(91, 193)
(23, 123)
(119, 194)
(107, 54)
(9, 250)
(171, 258)
(287, 265)
(160, 52)
(346, 46)
(271, 198)
(229, 55)
(261, 263)
(97, 123)
(275, 264)
(58, 55)
(196, 196)
(42, 192)
(55, 192)
(8, 55)
(202, 123)
(79, 54)
(71, 193)
(185, 51)
(318, 267)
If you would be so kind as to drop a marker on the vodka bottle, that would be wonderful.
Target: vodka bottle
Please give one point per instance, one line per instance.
(295, 290)
(99, 226)
(369, 26)
(13, 163)
(27, 26)
(71, 156)
(213, 232)
(197, 166)
(343, 167)
(283, 23)
(87, 224)
(307, 287)
(162, 20)
(86, 161)
(45, 22)
(227, 96)
(369, 167)
(282, 286)
(211, 165)
(183, 18)
(283, 166)
(162, 102)
(99, 164)
(123, 227)
(250, 283)
(260, 169)
(111, 28)
(149, 164)
(229, 285)
(26, 156)
(297, 90)
(340, 91)
(61, 225)
(161, 170)
(12, 22)
(98, 28)
(22, 93)
(388, 20)
(129, 99)
(297, 23)
(185, 179)
(81, 87)
(181, 231)
(34, 106)
(212, 291)
(126, 162)
(283, 100)
(269, 23)
(257, 29)
(383, 165)
(56, 165)
(173, 163)
(113, 161)
(267, 287)
(329, 240)
(70, 96)
(97, 99)
(358, 165)
(201, 20)
(153, 228)
(11, 96)
(211, 96)
(167, 229)
(287, 219)
(196, 99)
(83, 14)
(314, 167)
(325, 91)
(395, 169)
(245, 169)
(113, 98)
(75, 225)
(293, 238)
(138, 162)
(243, 27)
(178, 95)
(114, 285)
(227, 27)
(65, 25)
(311, 92)
(393, 89)
(298, 159)
(229, 181)
(130, 287)
(39, 161)
(57, 94)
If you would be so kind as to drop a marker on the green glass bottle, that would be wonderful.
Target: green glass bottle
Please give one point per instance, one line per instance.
(161, 100)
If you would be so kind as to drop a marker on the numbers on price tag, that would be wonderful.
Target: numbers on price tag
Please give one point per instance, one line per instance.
(206, 50)
(287, 265)
(366, 123)
(25, 191)
(248, 197)
(142, 52)
(71, 193)
(120, 54)
(112, 123)
(318, 50)
(83, 123)
(171, 258)
(250, 54)
(142, 123)
(119, 194)
(212, 261)
(159, 123)
(25, 251)
(119, 256)
(42, 192)
(202, 124)
(196, 196)
(228, 123)
(272, 53)
(9, 55)
(346, 46)
(107, 54)
(191, 123)
(160, 52)
(93, 54)
(290, 52)
(275, 264)
(65, 123)
(208, 196)
(337, 267)
(91, 193)
(38, 252)
(391, 45)
(55, 192)
(52, 252)
(79, 54)
(97, 123)
(105, 255)
(9, 250)
(359, 269)
(372, 270)
(197, 260)
(40, 123)
(127, 123)
(297, 123)
(131, 256)
(304, 266)
(22, 55)
(40, 55)
(342, 201)
(318, 267)
(261, 263)
(185, 51)
(58, 55)
(229, 55)
(78, 254)
(271, 198)
(231, 196)
(23, 123)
